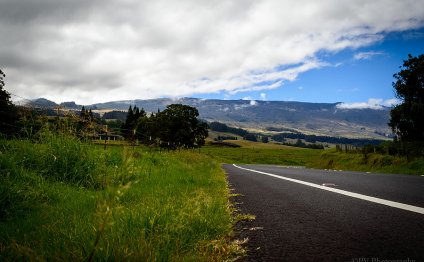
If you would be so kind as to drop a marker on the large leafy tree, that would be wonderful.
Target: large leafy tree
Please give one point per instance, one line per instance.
(8, 112)
(176, 126)
(180, 127)
(407, 118)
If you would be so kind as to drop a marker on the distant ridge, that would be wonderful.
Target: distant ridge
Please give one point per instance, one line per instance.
(310, 118)
(40, 102)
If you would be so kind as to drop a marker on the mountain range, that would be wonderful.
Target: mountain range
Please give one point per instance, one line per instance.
(266, 116)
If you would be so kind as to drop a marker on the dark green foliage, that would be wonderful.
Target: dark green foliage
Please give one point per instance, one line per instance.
(178, 126)
(326, 139)
(88, 115)
(264, 139)
(8, 112)
(220, 138)
(200, 134)
(130, 125)
(407, 118)
(220, 127)
(119, 115)
(301, 144)
(250, 137)
(148, 130)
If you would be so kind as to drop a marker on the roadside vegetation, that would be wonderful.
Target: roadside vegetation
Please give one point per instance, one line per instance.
(63, 199)
(355, 159)
(370, 162)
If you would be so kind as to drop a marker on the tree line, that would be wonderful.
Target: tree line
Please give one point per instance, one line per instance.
(326, 139)
(178, 126)
(220, 127)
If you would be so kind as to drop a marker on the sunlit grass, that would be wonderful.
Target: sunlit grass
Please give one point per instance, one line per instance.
(62, 199)
(260, 153)
(280, 155)
(373, 162)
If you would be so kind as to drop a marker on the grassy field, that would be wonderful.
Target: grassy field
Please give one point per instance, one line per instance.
(263, 153)
(61, 199)
(270, 153)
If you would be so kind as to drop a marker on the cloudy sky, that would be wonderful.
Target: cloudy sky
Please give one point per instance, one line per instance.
(303, 50)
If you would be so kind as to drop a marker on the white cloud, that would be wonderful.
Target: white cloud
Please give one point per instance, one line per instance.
(245, 104)
(372, 103)
(92, 51)
(391, 102)
(366, 55)
(263, 96)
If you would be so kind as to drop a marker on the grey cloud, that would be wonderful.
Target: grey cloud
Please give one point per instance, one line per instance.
(151, 48)
(42, 11)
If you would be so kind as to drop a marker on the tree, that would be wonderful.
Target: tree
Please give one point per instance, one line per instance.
(84, 114)
(407, 118)
(250, 137)
(8, 112)
(264, 139)
(86, 125)
(147, 130)
(126, 127)
(178, 126)
(133, 117)
(201, 133)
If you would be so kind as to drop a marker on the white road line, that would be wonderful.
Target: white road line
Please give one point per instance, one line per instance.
(407, 207)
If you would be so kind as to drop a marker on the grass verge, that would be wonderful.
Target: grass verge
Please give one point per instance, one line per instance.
(62, 199)
(259, 153)
(370, 163)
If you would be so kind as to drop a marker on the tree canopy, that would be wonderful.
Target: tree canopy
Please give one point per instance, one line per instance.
(407, 118)
(176, 126)
(133, 115)
(8, 112)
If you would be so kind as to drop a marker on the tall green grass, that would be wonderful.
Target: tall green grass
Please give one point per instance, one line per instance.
(62, 199)
(373, 162)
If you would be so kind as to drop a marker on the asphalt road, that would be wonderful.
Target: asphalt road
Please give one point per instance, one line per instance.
(300, 222)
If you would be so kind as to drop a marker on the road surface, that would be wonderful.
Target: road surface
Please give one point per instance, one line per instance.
(364, 217)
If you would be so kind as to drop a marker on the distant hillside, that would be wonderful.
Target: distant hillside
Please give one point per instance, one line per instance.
(312, 118)
(309, 118)
(41, 102)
